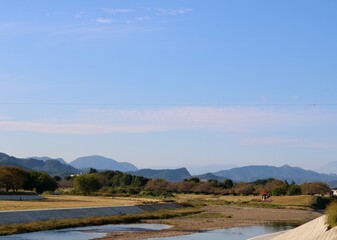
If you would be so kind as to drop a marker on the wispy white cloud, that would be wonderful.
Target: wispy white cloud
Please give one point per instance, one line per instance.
(269, 141)
(211, 118)
(166, 12)
(220, 119)
(118, 10)
(73, 128)
(104, 20)
(142, 18)
(139, 19)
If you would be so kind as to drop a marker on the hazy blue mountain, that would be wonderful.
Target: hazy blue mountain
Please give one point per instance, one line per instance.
(53, 167)
(61, 160)
(172, 175)
(330, 167)
(252, 173)
(208, 168)
(210, 176)
(102, 163)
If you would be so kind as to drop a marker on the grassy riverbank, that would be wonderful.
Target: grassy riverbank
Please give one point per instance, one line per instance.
(69, 201)
(202, 212)
(219, 217)
(93, 221)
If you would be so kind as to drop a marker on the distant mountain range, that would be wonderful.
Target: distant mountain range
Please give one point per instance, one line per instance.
(53, 167)
(210, 176)
(252, 173)
(201, 169)
(172, 175)
(239, 174)
(102, 163)
(61, 160)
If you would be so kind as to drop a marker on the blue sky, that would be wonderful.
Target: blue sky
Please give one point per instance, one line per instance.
(170, 83)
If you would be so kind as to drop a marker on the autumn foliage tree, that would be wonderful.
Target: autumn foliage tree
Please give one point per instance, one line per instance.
(312, 188)
(12, 178)
(243, 188)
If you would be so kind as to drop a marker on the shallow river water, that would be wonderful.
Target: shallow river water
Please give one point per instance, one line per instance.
(91, 232)
(235, 233)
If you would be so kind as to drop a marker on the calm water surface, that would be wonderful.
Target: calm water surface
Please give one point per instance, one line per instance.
(85, 233)
(91, 232)
(236, 233)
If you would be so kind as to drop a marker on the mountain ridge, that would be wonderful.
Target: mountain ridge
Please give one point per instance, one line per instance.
(102, 163)
(172, 175)
(44, 158)
(52, 167)
(285, 172)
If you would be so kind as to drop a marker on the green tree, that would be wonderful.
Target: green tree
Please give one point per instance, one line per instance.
(57, 178)
(193, 179)
(228, 183)
(293, 189)
(92, 170)
(40, 182)
(87, 183)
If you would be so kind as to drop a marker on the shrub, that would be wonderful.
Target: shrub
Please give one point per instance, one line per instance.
(331, 214)
(321, 202)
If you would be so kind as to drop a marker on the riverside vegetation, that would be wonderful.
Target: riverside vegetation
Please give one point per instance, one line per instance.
(193, 193)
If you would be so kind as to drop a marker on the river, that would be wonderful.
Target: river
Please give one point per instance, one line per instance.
(91, 232)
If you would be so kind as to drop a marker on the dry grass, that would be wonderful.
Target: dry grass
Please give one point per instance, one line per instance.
(302, 200)
(66, 201)
(216, 197)
(274, 201)
(240, 198)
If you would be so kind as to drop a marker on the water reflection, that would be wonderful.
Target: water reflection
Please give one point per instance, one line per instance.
(91, 232)
(85, 233)
(236, 233)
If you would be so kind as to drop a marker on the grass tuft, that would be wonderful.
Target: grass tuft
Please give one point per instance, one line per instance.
(331, 214)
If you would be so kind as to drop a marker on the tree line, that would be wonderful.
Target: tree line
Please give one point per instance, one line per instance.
(15, 178)
(272, 187)
(112, 182)
(116, 182)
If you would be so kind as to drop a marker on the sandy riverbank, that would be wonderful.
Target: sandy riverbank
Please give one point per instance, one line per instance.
(217, 217)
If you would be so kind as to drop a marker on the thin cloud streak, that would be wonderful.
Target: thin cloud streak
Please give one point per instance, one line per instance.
(174, 12)
(215, 119)
(269, 141)
(226, 118)
(103, 20)
(118, 10)
(73, 128)
(142, 18)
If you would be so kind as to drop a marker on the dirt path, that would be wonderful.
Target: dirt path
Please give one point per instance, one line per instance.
(216, 217)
